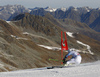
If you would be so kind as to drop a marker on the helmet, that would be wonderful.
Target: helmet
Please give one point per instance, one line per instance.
(72, 49)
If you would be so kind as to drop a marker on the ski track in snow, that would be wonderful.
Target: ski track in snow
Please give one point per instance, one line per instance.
(83, 70)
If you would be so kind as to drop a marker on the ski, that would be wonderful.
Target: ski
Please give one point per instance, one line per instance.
(55, 67)
(61, 66)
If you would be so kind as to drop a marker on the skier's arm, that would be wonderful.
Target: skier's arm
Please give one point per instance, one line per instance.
(67, 55)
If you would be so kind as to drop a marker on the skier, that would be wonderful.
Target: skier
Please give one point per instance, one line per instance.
(76, 57)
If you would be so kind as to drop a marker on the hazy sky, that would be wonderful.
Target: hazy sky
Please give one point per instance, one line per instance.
(52, 3)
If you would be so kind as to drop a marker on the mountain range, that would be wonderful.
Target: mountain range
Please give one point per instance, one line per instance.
(87, 15)
(21, 40)
(83, 14)
(7, 12)
(33, 41)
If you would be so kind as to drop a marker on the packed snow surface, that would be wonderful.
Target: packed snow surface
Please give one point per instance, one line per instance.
(83, 70)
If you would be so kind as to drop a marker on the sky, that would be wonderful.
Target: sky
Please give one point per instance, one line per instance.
(52, 3)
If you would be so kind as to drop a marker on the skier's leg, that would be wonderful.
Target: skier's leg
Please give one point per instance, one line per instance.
(71, 61)
(78, 60)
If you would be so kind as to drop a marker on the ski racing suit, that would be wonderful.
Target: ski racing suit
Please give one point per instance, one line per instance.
(76, 58)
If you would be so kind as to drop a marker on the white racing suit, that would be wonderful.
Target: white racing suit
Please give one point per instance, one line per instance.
(76, 58)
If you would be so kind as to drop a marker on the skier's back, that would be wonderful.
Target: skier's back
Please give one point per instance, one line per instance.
(76, 57)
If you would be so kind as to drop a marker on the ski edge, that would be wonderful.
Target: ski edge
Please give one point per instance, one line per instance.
(52, 67)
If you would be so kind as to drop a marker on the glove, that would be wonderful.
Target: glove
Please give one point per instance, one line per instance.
(64, 62)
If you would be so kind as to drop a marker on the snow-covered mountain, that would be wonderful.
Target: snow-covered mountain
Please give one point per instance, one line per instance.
(87, 15)
(9, 10)
(80, 9)
(50, 9)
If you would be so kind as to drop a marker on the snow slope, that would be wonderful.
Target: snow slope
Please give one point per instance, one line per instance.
(83, 70)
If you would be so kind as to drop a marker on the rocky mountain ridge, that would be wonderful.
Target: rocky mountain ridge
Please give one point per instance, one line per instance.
(83, 14)
(87, 15)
